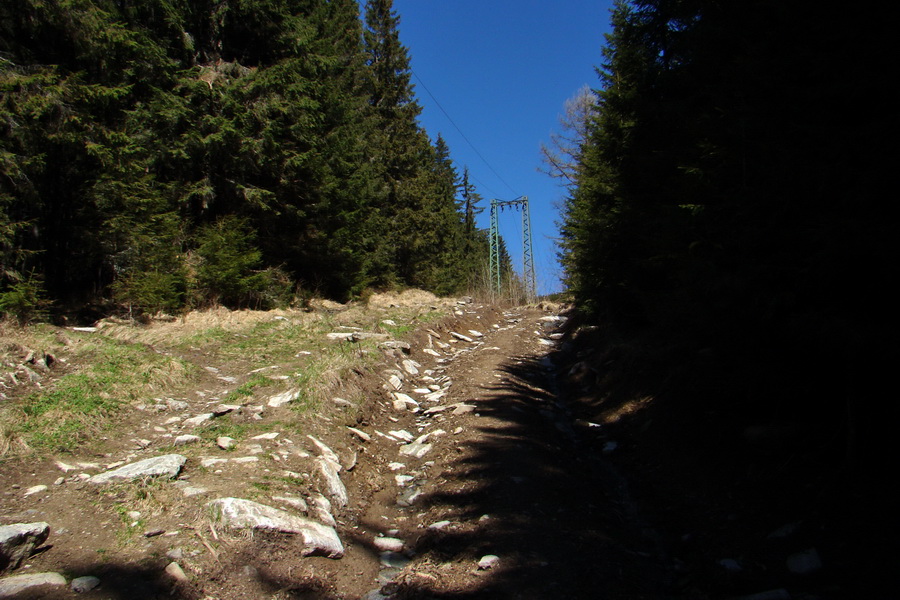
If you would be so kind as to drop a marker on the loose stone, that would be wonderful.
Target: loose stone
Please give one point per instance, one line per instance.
(238, 513)
(174, 570)
(10, 587)
(18, 541)
(198, 420)
(489, 561)
(183, 440)
(84, 584)
(168, 465)
(388, 544)
(360, 434)
(283, 398)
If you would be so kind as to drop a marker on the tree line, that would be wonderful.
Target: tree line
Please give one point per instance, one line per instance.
(727, 196)
(163, 154)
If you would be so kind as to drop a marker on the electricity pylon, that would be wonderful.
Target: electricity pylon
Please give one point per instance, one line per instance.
(497, 206)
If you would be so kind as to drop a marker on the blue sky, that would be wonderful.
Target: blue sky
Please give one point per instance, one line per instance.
(502, 69)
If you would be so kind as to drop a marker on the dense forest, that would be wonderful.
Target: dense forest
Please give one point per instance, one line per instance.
(163, 154)
(728, 206)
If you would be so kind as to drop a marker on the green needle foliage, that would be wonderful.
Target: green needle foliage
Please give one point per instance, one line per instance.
(165, 154)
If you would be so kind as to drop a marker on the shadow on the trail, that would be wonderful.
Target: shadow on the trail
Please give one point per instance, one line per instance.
(533, 494)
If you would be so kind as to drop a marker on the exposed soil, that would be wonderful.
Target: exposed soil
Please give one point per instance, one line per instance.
(573, 496)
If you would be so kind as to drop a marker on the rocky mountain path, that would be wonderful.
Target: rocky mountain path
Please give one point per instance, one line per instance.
(463, 476)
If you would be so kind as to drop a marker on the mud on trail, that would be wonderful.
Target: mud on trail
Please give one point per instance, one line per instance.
(478, 483)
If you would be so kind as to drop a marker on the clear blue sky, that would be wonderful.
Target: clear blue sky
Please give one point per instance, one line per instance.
(502, 70)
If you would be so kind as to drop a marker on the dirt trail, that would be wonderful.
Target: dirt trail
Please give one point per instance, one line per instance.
(507, 480)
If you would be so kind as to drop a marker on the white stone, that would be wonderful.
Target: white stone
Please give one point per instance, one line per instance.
(243, 460)
(238, 513)
(360, 434)
(198, 420)
(35, 489)
(475, 333)
(320, 509)
(402, 434)
(334, 486)
(293, 501)
(411, 367)
(10, 587)
(415, 449)
(489, 561)
(326, 452)
(168, 465)
(460, 336)
(266, 436)
(224, 442)
(395, 382)
(283, 398)
(388, 544)
(402, 480)
(209, 462)
(183, 440)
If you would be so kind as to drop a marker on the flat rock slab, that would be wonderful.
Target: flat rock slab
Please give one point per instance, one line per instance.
(10, 587)
(18, 541)
(168, 465)
(333, 483)
(237, 513)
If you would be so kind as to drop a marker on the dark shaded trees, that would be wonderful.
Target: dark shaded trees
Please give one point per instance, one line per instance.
(727, 201)
(129, 129)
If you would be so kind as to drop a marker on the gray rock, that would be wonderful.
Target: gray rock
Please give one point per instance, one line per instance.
(224, 442)
(395, 345)
(84, 584)
(283, 398)
(320, 509)
(198, 420)
(416, 449)
(174, 570)
(333, 484)
(18, 541)
(411, 367)
(804, 563)
(184, 440)
(326, 452)
(237, 513)
(168, 465)
(360, 434)
(294, 502)
(460, 336)
(10, 587)
(36, 489)
(173, 404)
(388, 544)
(489, 561)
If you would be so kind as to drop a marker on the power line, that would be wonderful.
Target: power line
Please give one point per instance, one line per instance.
(471, 145)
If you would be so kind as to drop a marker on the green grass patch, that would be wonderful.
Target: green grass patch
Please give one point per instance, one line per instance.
(245, 390)
(79, 405)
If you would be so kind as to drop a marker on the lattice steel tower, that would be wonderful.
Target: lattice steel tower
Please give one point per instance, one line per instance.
(497, 206)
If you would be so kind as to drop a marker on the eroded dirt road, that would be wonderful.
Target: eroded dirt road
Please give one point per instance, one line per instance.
(501, 494)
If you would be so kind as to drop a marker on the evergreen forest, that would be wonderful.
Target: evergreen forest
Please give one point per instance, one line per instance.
(157, 155)
(728, 211)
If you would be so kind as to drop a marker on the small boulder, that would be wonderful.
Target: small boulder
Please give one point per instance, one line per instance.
(17, 542)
